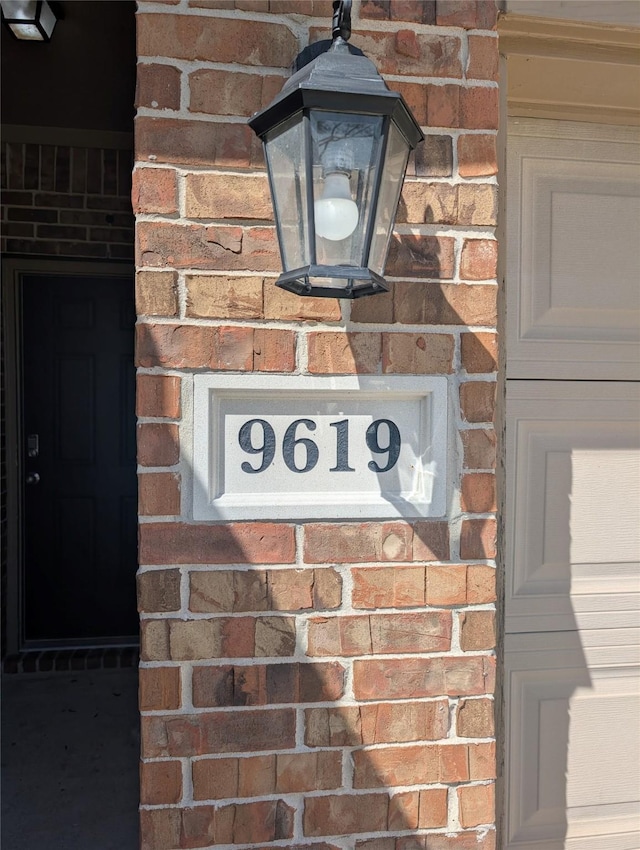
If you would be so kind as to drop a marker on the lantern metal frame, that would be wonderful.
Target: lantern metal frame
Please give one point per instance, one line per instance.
(40, 7)
(340, 80)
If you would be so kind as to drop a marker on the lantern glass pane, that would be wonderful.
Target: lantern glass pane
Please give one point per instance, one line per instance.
(345, 151)
(47, 19)
(284, 150)
(393, 171)
(20, 10)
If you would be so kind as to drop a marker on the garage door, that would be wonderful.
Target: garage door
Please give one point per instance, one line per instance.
(572, 603)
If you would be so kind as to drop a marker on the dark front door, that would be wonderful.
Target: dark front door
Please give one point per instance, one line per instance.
(79, 532)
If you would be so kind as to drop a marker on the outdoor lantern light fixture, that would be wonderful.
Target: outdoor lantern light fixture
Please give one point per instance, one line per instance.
(29, 20)
(336, 142)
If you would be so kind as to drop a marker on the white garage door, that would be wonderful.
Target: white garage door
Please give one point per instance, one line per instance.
(572, 604)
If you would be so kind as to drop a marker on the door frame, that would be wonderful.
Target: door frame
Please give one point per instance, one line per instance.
(13, 270)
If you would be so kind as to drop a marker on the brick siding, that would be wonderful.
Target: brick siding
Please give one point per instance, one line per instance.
(61, 201)
(314, 684)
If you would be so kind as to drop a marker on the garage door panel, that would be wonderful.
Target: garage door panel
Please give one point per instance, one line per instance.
(567, 691)
(573, 456)
(572, 269)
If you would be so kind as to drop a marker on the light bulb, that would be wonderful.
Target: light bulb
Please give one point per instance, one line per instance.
(336, 215)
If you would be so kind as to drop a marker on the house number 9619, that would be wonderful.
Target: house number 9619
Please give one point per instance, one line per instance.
(257, 437)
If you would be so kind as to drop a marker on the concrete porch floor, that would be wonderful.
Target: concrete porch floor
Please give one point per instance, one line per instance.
(70, 750)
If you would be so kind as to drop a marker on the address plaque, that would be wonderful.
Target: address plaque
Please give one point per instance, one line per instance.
(300, 447)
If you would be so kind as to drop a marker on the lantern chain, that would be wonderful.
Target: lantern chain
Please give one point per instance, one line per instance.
(341, 20)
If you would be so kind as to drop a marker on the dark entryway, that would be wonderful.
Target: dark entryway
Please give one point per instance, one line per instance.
(74, 559)
(78, 458)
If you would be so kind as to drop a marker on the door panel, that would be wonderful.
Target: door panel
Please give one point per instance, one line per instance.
(570, 696)
(80, 516)
(573, 460)
(574, 252)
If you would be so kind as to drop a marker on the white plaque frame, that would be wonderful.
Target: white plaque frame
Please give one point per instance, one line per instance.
(415, 486)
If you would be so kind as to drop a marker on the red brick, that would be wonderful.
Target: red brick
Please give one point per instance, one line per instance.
(376, 723)
(375, 9)
(199, 826)
(345, 814)
(156, 293)
(407, 52)
(285, 306)
(379, 634)
(419, 354)
(446, 585)
(227, 196)
(477, 204)
(237, 543)
(483, 58)
(158, 86)
(299, 772)
(430, 203)
(477, 401)
(154, 190)
(263, 821)
(481, 584)
(403, 811)
(420, 677)
(414, 765)
(474, 718)
(476, 804)
(430, 541)
(160, 782)
(230, 92)
(443, 106)
(457, 13)
(158, 444)
(236, 348)
(433, 808)
(274, 350)
(202, 38)
(158, 396)
(477, 630)
(416, 99)
(421, 256)
(180, 142)
(240, 731)
(417, 11)
(479, 449)
(228, 591)
(482, 760)
(160, 829)
(207, 247)
(479, 259)
(344, 353)
(357, 542)
(159, 590)
(487, 15)
(477, 156)
(479, 108)
(266, 684)
(218, 297)
(388, 587)
(215, 779)
(478, 494)
(478, 539)
(159, 688)
(191, 346)
(479, 352)
(445, 304)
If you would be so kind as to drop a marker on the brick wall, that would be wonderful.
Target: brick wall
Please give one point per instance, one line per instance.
(324, 684)
(64, 201)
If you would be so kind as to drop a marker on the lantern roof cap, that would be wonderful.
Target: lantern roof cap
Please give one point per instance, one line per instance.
(340, 79)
